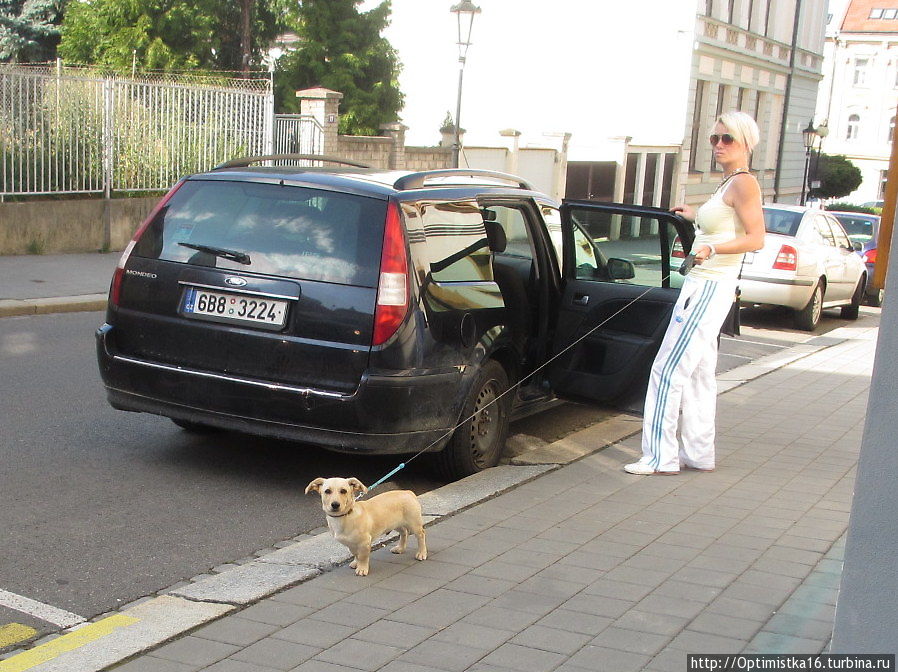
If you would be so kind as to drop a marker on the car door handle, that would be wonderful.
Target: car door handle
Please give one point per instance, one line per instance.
(581, 299)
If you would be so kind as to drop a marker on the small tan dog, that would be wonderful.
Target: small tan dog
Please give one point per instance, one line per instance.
(357, 524)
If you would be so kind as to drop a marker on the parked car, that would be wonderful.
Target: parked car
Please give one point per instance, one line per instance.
(382, 312)
(863, 231)
(807, 264)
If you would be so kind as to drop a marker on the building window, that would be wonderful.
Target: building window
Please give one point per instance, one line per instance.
(860, 71)
(883, 178)
(709, 7)
(889, 14)
(875, 14)
(854, 123)
(731, 8)
(891, 129)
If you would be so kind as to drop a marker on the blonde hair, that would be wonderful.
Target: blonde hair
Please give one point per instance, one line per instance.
(742, 127)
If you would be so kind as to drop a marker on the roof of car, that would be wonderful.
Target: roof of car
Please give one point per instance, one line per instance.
(372, 181)
(849, 213)
(787, 207)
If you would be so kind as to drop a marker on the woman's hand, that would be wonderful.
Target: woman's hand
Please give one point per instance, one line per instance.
(687, 211)
(702, 252)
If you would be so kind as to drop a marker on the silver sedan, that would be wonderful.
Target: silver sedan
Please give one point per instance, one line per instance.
(807, 264)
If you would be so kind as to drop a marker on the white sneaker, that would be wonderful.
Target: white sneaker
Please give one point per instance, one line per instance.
(644, 469)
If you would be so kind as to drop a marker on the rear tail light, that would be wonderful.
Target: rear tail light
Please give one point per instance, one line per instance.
(869, 256)
(786, 259)
(392, 290)
(115, 289)
(676, 250)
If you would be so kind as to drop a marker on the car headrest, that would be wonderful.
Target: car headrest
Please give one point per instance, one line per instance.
(495, 234)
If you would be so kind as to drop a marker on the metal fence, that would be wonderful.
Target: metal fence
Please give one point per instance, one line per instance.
(71, 131)
(297, 134)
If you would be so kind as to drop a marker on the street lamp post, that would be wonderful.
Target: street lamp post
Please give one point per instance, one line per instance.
(810, 137)
(464, 12)
(814, 178)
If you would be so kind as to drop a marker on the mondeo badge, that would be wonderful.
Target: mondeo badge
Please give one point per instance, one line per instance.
(234, 281)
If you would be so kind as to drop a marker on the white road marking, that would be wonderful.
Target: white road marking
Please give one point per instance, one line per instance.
(45, 612)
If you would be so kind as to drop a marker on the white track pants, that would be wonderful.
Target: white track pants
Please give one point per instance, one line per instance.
(683, 378)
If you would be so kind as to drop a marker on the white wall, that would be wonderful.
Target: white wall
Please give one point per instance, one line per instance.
(595, 69)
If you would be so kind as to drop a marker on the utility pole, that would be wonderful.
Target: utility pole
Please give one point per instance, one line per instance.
(886, 221)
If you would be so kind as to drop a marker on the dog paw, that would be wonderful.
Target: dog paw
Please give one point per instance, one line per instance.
(361, 571)
(397, 549)
(421, 556)
(353, 564)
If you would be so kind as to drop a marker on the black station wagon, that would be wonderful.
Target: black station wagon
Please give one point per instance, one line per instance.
(383, 312)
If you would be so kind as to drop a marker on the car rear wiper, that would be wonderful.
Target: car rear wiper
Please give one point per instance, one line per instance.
(233, 255)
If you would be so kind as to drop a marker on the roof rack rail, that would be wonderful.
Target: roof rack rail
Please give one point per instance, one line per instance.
(417, 180)
(245, 161)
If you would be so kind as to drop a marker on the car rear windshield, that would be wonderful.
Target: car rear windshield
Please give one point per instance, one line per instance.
(784, 222)
(274, 229)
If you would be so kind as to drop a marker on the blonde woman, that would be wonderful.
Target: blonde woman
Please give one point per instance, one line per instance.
(683, 374)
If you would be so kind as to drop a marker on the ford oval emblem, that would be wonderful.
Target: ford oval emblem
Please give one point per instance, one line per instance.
(234, 281)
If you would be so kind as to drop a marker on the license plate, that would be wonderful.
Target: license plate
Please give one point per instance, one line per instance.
(236, 308)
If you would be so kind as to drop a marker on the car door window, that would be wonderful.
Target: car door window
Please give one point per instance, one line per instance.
(514, 224)
(839, 235)
(457, 246)
(824, 233)
(607, 242)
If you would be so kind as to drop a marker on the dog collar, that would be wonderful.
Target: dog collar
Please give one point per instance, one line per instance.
(340, 516)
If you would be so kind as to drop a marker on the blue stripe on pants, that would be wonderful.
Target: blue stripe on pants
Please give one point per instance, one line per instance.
(673, 359)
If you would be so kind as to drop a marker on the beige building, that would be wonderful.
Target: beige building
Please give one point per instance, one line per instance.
(860, 89)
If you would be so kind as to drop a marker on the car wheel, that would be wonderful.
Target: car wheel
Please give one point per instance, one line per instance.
(194, 427)
(875, 299)
(851, 311)
(808, 317)
(477, 443)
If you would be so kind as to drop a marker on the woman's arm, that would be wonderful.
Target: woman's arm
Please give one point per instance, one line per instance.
(744, 195)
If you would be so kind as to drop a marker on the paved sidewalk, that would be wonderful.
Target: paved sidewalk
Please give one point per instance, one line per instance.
(589, 568)
(53, 283)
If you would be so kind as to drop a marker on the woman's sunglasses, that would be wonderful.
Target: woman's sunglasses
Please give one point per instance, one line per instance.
(726, 138)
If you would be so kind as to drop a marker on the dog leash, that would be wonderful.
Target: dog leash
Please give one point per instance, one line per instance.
(449, 432)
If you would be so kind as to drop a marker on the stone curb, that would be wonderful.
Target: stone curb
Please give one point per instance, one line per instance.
(63, 304)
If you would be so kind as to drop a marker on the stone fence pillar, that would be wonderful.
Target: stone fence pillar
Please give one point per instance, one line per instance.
(396, 132)
(324, 105)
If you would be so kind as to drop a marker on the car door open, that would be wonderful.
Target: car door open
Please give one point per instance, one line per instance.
(620, 283)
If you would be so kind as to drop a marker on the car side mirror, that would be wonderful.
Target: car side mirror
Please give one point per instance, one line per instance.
(857, 247)
(620, 269)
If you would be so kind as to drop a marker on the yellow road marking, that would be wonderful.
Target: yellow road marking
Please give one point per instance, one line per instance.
(73, 640)
(13, 633)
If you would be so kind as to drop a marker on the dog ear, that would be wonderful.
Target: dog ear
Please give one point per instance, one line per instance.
(357, 485)
(315, 486)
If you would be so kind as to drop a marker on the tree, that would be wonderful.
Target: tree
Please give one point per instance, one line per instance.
(342, 49)
(29, 30)
(838, 177)
(170, 34)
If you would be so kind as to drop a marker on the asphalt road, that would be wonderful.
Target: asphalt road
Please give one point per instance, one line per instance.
(101, 507)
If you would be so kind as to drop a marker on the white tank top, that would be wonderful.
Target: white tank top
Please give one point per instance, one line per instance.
(716, 223)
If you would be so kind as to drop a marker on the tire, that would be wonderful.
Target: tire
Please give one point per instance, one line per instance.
(852, 310)
(875, 299)
(808, 317)
(194, 427)
(477, 443)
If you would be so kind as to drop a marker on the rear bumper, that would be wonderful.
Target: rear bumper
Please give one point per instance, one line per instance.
(790, 292)
(386, 414)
